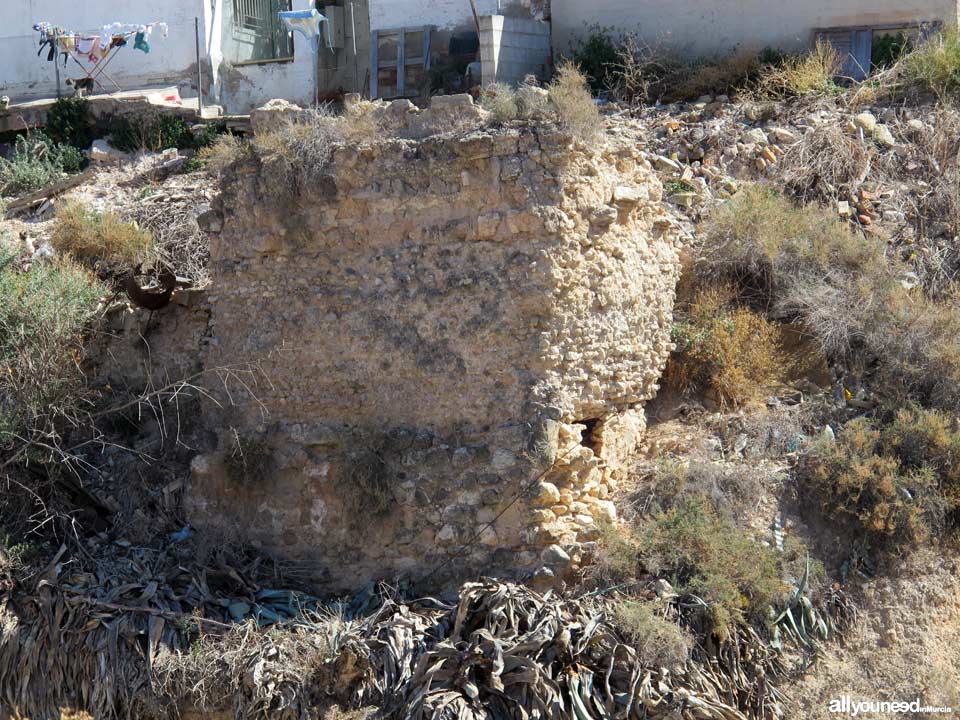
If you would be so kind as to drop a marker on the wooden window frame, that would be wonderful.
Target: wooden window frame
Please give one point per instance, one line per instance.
(401, 63)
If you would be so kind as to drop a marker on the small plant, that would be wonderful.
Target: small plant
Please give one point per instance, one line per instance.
(501, 100)
(727, 350)
(570, 96)
(658, 642)
(43, 313)
(865, 490)
(598, 57)
(934, 65)
(888, 49)
(99, 239)
(812, 73)
(250, 459)
(710, 557)
(224, 151)
(37, 161)
(70, 122)
(161, 132)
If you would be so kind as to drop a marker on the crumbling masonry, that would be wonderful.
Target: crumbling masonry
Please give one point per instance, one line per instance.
(440, 322)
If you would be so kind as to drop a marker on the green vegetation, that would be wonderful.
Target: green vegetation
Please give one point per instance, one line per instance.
(99, 240)
(70, 122)
(43, 313)
(934, 65)
(888, 49)
(37, 161)
(598, 58)
(658, 642)
(894, 484)
(160, 132)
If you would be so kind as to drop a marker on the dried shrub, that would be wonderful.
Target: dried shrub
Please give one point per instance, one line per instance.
(618, 554)
(722, 75)
(727, 350)
(43, 314)
(570, 96)
(730, 488)
(156, 133)
(811, 73)
(799, 264)
(894, 484)
(826, 164)
(223, 152)
(298, 152)
(250, 459)
(658, 642)
(99, 239)
(369, 490)
(500, 99)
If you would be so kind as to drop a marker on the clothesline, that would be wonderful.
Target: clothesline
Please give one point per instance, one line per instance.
(95, 45)
(97, 48)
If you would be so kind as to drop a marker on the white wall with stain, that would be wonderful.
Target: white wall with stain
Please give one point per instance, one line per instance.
(698, 28)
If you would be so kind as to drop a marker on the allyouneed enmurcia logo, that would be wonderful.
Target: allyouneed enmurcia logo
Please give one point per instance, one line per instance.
(848, 706)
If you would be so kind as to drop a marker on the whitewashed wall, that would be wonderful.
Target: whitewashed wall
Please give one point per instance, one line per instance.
(444, 14)
(24, 76)
(698, 28)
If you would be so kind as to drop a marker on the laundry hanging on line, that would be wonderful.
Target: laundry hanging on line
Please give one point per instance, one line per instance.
(95, 46)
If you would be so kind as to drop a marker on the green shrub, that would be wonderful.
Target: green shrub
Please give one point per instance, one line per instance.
(99, 240)
(36, 162)
(160, 132)
(892, 486)
(70, 122)
(43, 313)
(934, 65)
(709, 556)
(598, 58)
(888, 49)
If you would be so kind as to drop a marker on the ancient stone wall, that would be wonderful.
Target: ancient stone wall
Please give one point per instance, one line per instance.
(441, 324)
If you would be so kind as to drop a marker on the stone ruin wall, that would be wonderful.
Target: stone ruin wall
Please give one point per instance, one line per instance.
(438, 323)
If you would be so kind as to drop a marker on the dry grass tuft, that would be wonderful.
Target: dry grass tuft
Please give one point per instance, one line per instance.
(825, 164)
(101, 240)
(658, 642)
(808, 74)
(298, 152)
(570, 96)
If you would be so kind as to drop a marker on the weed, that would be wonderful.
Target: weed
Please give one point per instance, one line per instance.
(888, 49)
(618, 554)
(224, 151)
(131, 134)
(811, 73)
(677, 186)
(500, 99)
(250, 460)
(100, 240)
(37, 161)
(298, 152)
(865, 490)
(70, 122)
(725, 349)
(570, 96)
(658, 642)
(709, 556)
(598, 57)
(934, 65)
(43, 313)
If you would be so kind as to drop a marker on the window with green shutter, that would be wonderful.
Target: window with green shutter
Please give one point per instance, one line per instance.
(258, 35)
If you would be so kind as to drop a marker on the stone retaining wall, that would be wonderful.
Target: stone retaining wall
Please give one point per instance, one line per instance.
(441, 324)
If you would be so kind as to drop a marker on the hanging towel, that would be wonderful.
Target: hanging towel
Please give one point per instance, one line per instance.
(140, 42)
(85, 45)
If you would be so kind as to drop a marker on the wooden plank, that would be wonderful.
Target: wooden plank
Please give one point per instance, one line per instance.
(49, 191)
